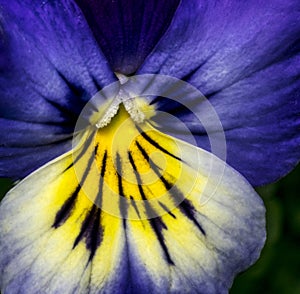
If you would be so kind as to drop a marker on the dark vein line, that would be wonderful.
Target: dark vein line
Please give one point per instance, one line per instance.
(85, 225)
(75, 90)
(122, 204)
(103, 167)
(97, 230)
(98, 200)
(137, 175)
(64, 213)
(167, 185)
(187, 208)
(82, 152)
(155, 144)
(178, 196)
(91, 228)
(134, 206)
(92, 231)
(156, 223)
(96, 234)
(119, 170)
(166, 209)
(65, 110)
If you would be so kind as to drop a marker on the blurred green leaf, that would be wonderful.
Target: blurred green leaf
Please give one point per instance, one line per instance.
(5, 185)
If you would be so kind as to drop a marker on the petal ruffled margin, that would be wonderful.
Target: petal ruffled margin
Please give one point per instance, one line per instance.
(50, 65)
(244, 57)
(57, 235)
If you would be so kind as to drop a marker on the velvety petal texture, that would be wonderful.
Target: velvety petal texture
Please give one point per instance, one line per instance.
(50, 66)
(244, 57)
(145, 213)
(127, 30)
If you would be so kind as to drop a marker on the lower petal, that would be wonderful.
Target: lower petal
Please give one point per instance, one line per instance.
(129, 211)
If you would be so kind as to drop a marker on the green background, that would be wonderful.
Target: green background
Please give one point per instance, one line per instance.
(278, 269)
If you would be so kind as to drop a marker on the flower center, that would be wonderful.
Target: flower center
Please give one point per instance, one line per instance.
(136, 107)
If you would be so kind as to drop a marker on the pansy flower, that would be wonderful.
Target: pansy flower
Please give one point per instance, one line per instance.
(124, 186)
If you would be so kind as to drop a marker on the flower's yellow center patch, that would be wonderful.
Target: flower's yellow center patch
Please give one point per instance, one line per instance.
(126, 173)
(137, 168)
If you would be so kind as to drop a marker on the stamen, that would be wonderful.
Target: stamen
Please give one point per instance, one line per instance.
(129, 102)
(109, 114)
(132, 108)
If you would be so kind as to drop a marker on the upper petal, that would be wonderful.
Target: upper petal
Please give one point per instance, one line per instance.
(244, 57)
(50, 66)
(127, 30)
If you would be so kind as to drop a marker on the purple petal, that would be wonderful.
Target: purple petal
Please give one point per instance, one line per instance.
(50, 67)
(18, 162)
(128, 30)
(244, 57)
